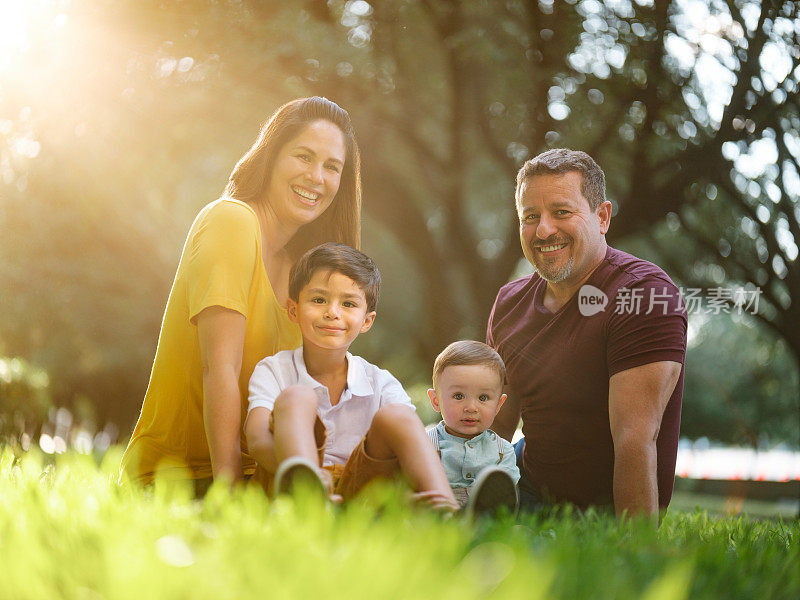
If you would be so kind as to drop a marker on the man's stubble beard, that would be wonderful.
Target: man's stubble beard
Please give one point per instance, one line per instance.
(553, 275)
(550, 273)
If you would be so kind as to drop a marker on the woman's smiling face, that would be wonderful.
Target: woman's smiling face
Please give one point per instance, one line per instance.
(307, 173)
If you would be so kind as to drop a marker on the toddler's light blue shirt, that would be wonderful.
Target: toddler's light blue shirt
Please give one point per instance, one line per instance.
(463, 459)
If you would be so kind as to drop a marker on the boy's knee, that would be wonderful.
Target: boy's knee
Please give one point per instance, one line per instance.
(296, 398)
(394, 416)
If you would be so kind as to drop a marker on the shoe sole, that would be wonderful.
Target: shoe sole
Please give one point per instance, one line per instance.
(298, 476)
(493, 490)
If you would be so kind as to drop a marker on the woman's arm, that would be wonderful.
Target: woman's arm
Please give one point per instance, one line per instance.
(260, 441)
(221, 335)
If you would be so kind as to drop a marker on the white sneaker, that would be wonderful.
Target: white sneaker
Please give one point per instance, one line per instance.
(298, 473)
(493, 490)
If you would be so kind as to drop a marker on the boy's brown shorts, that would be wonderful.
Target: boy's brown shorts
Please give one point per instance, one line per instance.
(348, 479)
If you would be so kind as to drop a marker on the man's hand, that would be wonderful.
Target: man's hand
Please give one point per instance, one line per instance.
(637, 398)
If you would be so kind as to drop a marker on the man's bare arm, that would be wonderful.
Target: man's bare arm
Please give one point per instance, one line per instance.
(637, 398)
(507, 420)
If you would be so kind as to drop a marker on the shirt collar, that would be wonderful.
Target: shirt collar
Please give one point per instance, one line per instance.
(444, 435)
(357, 381)
(303, 378)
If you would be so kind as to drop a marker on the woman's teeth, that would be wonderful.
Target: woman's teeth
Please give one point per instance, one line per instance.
(310, 196)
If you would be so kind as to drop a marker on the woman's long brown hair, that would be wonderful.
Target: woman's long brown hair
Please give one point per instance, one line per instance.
(249, 180)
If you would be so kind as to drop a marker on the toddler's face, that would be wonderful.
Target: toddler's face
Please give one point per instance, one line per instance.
(469, 397)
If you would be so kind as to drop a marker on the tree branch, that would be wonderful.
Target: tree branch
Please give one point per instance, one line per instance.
(767, 233)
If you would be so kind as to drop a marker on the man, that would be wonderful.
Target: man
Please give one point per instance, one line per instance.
(594, 345)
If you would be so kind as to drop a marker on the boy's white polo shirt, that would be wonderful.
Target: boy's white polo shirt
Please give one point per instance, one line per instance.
(368, 389)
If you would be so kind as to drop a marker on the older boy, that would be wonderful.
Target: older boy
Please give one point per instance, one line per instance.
(468, 391)
(319, 404)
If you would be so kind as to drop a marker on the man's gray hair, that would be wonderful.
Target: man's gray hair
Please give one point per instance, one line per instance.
(563, 160)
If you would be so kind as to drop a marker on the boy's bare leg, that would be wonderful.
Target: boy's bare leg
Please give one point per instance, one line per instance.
(396, 431)
(293, 418)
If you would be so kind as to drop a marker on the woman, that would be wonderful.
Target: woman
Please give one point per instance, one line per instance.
(298, 186)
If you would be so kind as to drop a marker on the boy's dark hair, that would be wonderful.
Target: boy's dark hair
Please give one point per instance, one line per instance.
(339, 258)
(467, 353)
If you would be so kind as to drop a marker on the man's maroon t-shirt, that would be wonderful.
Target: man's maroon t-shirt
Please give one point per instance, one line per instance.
(559, 365)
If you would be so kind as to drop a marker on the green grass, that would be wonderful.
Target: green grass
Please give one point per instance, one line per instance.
(68, 531)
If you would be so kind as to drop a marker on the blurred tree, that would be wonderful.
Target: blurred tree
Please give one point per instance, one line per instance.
(139, 109)
(129, 125)
(741, 398)
(25, 397)
(690, 106)
(729, 191)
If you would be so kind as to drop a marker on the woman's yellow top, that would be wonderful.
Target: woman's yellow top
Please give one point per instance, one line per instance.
(221, 265)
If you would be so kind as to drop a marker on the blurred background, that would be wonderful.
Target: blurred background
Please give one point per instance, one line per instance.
(120, 119)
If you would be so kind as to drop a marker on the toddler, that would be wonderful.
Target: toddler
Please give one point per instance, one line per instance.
(467, 390)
